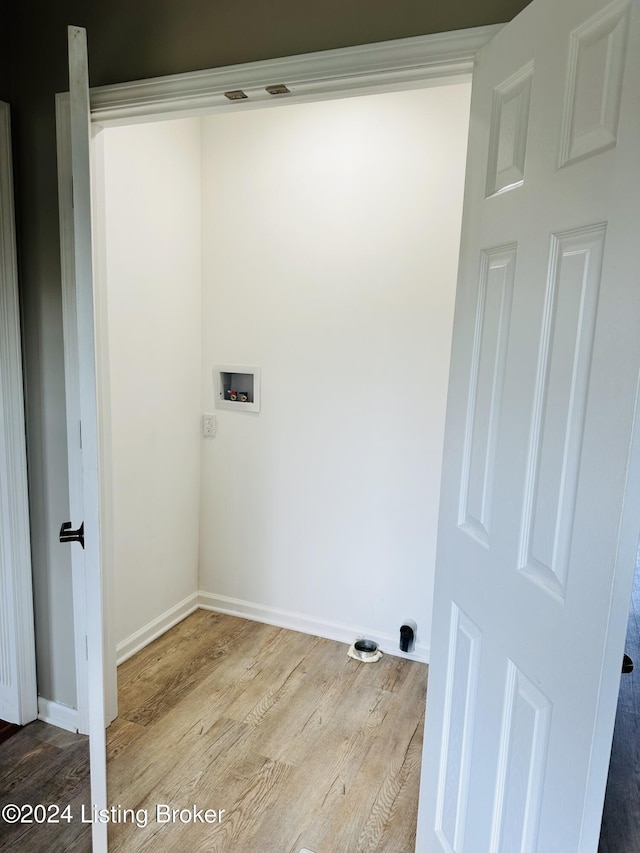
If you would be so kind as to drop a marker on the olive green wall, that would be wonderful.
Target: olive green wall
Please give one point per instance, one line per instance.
(6, 27)
(131, 39)
(5, 68)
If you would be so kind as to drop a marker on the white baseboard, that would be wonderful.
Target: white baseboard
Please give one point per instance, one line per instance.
(128, 647)
(261, 613)
(57, 715)
(388, 643)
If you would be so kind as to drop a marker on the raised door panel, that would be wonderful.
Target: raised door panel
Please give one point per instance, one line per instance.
(527, 556)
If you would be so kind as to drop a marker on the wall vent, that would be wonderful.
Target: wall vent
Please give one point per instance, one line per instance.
(279, 89)
(236, 95)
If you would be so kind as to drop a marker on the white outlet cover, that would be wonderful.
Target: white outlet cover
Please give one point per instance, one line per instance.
(209, 426)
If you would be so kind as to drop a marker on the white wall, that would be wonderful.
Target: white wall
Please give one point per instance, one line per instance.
(153, 265)
(330, 247)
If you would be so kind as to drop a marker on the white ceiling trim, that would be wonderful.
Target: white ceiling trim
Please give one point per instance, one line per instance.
(384, 66)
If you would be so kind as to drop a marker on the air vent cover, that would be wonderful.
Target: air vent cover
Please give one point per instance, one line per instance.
(236, 95)
(279, 89)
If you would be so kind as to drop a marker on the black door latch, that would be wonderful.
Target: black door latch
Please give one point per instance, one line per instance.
(69, 535)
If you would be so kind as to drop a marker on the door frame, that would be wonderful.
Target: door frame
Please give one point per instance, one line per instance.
(330, 74)
(387, 66)
(72, 403)
(17, 632)
(418, 62)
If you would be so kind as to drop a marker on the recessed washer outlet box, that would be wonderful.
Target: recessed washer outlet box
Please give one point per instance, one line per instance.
(237, 387)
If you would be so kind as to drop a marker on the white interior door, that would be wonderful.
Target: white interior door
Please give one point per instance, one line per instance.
(18, 692)
(72, 401)
(540, 505)
(83, 275)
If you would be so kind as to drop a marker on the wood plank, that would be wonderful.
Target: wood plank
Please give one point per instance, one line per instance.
(395, 811)
(150, 688)
(7, 729)
(45, 765)
(299, 744)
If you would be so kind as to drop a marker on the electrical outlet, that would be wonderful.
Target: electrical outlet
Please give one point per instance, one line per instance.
(209, 426)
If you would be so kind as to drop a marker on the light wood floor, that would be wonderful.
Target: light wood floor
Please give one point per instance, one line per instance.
(299, 744)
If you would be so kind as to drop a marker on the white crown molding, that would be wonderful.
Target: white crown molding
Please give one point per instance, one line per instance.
(17, 643)
(402, 63)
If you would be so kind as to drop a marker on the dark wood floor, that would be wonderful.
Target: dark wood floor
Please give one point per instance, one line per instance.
(41, 764)
(7, 729)
(621, 818)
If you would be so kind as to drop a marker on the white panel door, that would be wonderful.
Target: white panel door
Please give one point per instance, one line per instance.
(18, 692)
(85, 348)
(540, 505)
